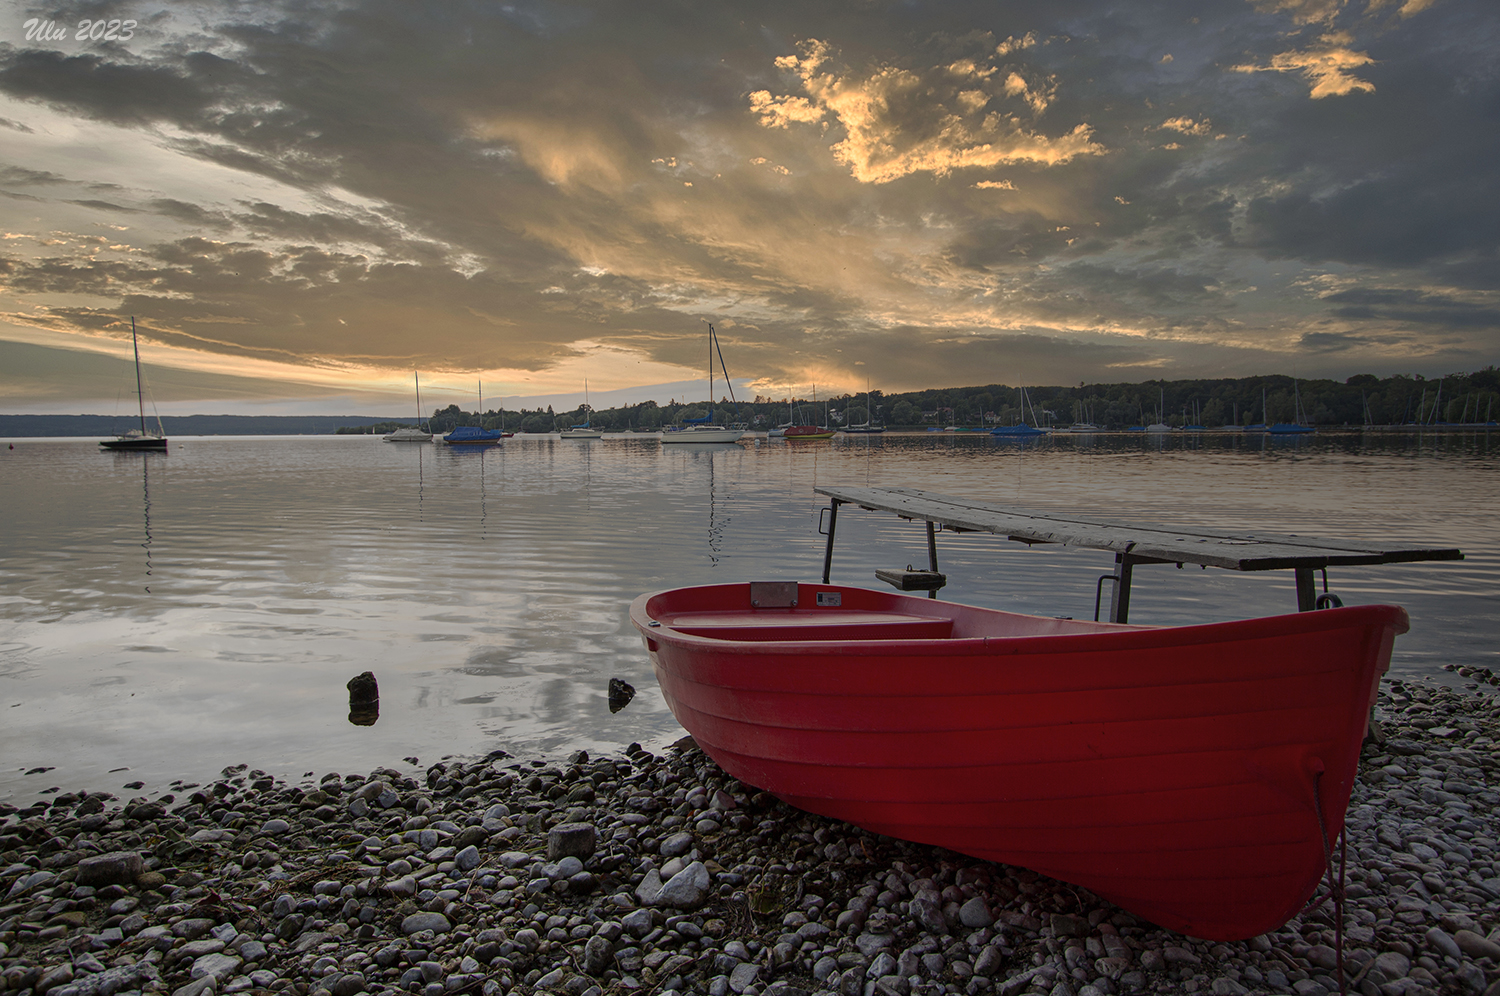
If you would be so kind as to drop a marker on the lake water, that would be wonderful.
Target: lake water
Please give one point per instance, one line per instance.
(166, 615)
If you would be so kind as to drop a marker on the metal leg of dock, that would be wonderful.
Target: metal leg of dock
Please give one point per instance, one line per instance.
(1119, 602)
(1307, 589)
(833, 521)
(931, 554)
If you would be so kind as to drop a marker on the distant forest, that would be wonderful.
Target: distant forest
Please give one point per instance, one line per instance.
(1363, 399)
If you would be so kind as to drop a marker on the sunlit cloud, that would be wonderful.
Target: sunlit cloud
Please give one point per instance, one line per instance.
(896, 122)
(1326, 65)
(1187, 126)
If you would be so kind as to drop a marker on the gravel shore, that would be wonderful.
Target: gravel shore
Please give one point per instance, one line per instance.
(659, 874)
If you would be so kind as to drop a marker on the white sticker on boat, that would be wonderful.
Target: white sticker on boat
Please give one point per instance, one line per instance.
(830, 598)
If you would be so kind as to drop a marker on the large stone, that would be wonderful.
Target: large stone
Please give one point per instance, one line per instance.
(677, 844)
(1393, 965)
(114, 980)
(649, 890)
(638, 923)
(743, 976)
(53, 977)
(349, 984)
(989, 961)
(114, 868)
(220, 966)
(1476, 946)
(575, 839)
(597, 954)
(416, 922)
(1439, 940)
(975, 913)
(1066, 925)
(929, 915)
(198, 987)
(468, 859)
(687, 889)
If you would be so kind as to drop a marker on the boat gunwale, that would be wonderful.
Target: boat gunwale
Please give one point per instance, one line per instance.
(1110, 636)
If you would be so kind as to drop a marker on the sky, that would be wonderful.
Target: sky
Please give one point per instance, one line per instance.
(303, 204)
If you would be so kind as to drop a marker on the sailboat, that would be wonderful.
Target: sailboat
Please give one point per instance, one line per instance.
(1021, 429)
(1196, 425)
(805, 433)
(411, 433)
(868, 426)
(586, 430)
(138, 439)
(1159, 425)
(702, 430)
(1296, 427)
(474, 435)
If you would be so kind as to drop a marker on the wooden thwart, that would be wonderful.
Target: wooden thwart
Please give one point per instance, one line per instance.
(1131, 544)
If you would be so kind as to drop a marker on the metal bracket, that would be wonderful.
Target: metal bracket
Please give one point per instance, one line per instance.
(1099, 592)
(912, 579)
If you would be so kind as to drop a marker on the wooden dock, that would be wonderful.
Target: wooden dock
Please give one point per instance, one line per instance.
(1131, 544)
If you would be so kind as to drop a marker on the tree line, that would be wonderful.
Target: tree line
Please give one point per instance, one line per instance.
(1363, 399)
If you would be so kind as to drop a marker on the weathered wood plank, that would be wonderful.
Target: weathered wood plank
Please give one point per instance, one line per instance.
(1237, 552)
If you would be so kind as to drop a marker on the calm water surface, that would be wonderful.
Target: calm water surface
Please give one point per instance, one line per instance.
(163, 616)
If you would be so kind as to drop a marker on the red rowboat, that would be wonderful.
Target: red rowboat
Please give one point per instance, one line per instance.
(1174, 771)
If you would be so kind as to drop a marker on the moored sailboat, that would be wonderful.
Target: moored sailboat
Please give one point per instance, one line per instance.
(471, 435)
(411, 433)
(140, 439)
(702, 430)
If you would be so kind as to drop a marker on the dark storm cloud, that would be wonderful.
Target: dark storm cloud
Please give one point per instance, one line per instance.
(1414, 307)
(451, 184)
(99, 87)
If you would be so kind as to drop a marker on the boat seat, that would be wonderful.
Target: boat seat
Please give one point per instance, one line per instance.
(814, 624)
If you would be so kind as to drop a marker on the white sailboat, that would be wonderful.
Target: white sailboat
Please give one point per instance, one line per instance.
(586, 430)
(411, 433)
(868, 426)
(702, 430)
(1159, 425)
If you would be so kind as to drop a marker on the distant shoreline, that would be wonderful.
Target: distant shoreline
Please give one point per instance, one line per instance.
(30, 426)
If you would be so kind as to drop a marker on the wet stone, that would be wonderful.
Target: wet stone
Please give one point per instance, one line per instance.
(417, 922)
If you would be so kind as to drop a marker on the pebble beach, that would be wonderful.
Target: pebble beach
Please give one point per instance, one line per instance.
(657, 873)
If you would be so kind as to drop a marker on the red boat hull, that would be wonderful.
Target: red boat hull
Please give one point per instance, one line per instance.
(1172, 771)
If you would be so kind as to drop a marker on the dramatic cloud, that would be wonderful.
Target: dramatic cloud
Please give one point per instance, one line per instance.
(1328, 65)
(896, 121)
(923, 194)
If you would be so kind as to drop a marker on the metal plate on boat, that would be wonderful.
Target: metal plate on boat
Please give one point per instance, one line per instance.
(830, 598)
(773, 594)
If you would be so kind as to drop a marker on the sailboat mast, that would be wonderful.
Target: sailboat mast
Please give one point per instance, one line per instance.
(417, 380)
(710, 371)
(140, 395)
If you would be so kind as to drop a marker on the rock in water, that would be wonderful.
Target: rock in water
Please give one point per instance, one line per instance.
(620, 694)
(364, 699)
